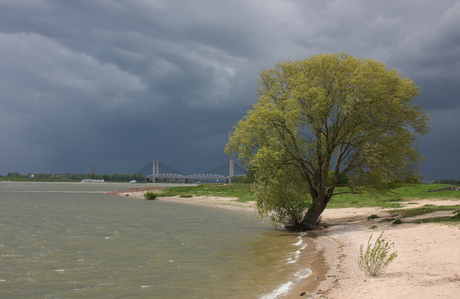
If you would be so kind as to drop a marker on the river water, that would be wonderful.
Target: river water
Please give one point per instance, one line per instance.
(68, 240)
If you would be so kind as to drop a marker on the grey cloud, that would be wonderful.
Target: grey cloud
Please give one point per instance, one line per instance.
(117, 83)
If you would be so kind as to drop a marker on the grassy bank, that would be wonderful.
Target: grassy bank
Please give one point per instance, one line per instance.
(240, 190)
(392, 199)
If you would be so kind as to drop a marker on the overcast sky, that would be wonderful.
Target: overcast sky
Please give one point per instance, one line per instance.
(116, 83)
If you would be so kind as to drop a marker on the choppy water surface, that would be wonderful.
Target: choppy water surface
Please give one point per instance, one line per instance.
(71, 244)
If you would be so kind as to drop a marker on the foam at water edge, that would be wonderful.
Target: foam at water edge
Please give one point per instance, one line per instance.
(281, 290)
(303, 273)
(296, 257)
(300, 239)
(297, 253)
(284, 288)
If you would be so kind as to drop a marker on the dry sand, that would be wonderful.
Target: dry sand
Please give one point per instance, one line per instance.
(427, 266)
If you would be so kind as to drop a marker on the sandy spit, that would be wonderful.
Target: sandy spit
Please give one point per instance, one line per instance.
(427, 266)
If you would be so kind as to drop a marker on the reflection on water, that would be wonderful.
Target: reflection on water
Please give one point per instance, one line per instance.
(90, 245)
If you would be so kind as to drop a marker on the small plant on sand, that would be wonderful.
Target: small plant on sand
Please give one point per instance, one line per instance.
(150, 195)
(372, 217)
(396, 222)
(375, 260)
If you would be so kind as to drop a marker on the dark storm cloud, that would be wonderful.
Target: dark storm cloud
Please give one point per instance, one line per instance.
(117, 83)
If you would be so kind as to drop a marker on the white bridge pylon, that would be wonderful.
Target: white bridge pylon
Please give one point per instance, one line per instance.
(157, 175)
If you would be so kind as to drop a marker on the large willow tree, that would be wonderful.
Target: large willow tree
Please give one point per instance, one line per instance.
(319, 120)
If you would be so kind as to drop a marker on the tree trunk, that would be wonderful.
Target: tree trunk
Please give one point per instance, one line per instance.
(310, 221)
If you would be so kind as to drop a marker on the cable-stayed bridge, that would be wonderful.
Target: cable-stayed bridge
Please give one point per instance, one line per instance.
(157, 170)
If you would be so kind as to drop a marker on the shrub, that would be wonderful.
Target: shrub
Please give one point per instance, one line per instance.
(372, 217)
(396, 222)
(375, 260)
(150, 195)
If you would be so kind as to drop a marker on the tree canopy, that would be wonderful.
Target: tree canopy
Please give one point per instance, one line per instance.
(323, 121)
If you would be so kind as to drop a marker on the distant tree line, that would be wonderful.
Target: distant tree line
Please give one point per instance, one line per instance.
(118, 177)
(71, 177)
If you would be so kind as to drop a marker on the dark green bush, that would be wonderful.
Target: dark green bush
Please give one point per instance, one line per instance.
(150, 195)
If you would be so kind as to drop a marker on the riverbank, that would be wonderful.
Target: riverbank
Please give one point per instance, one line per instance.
(427, 266)
(428, 263)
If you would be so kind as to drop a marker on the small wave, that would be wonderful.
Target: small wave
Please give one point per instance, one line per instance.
(300, 239)
(303, 273)
(284, 288)
(281, 290)
(295, 258)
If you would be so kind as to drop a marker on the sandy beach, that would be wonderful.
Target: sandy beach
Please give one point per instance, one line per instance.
(427, 266)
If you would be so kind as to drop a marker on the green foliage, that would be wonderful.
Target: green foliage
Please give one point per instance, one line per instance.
(40, 178)
(150, 195)
(324, 121)
(283, 195)
(373, 216)
(375, 259)
(344, 181)
(239, 179)
(248, 178)
(123, 177)
(397, 222)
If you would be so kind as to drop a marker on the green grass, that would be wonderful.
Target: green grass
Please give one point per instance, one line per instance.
(449, 220)
(240, 190)
(391, 199)
(426, 209)
(366, 199)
